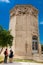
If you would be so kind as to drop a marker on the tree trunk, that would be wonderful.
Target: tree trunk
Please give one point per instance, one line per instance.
(1, 50)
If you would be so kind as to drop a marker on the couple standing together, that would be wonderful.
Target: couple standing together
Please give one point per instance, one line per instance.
(6, 56)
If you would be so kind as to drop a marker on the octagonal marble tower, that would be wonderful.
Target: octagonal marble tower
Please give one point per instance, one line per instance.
(24, 28)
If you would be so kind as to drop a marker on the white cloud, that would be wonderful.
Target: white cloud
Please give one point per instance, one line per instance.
(6, 1)
(41, 22)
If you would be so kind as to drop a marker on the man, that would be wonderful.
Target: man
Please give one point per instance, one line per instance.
(6, 56)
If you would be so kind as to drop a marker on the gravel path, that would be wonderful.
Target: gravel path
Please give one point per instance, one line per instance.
(22, 63)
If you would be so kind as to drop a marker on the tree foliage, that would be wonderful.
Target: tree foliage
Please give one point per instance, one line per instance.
(6, 38)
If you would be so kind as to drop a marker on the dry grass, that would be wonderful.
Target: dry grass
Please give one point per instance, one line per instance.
(1, 59)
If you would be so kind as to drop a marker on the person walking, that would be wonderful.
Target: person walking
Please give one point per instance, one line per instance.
(5, 56)
(11, 56)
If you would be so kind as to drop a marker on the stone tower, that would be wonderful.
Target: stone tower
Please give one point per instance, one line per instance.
(24, 28)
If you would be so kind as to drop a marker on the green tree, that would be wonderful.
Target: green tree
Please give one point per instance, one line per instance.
(6, 38)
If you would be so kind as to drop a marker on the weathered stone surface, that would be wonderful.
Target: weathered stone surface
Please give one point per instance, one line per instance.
(24, 25)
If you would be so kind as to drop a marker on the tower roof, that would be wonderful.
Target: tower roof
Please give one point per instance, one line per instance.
(24, 9)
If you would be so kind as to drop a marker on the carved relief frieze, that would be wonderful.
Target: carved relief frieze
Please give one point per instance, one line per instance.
(25, 9)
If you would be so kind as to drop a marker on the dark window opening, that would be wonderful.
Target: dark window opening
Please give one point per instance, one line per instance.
(35, 43)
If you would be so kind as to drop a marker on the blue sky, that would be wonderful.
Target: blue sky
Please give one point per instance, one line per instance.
(7, 5)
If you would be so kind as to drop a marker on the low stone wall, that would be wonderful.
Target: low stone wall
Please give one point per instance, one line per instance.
(38, 57)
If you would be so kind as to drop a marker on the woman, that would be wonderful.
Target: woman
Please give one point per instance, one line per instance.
(11, 56)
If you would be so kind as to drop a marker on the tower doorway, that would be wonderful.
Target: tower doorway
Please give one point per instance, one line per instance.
(34, 44)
